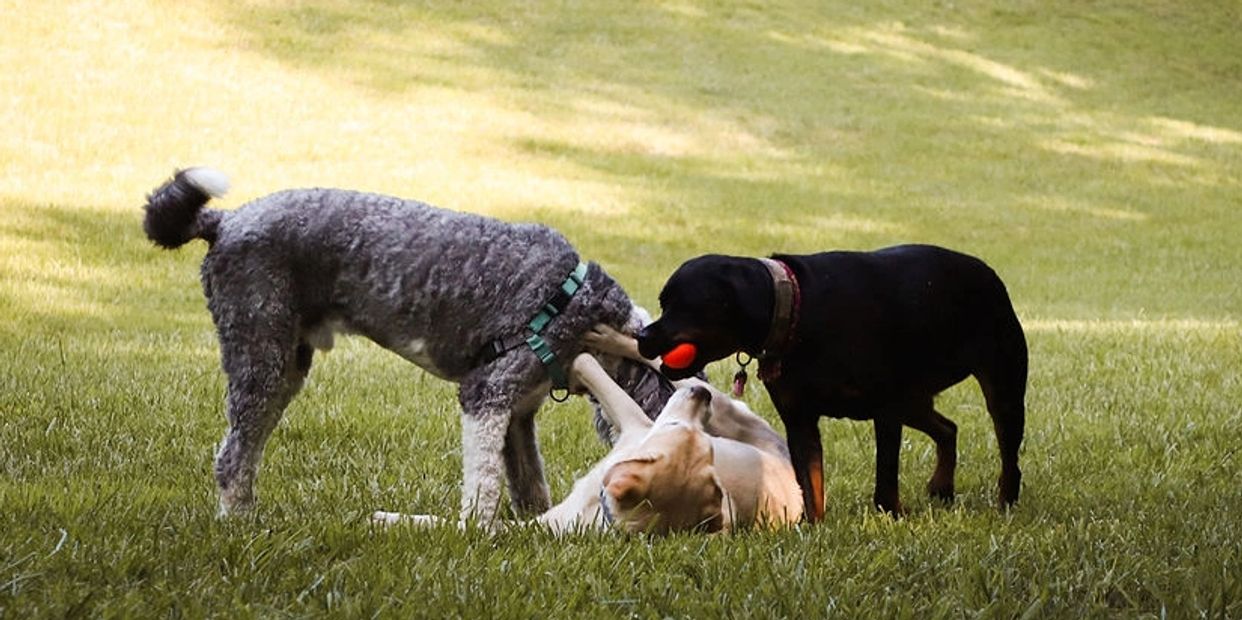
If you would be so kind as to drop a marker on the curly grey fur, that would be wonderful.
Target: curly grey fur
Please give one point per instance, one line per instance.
(285, 271)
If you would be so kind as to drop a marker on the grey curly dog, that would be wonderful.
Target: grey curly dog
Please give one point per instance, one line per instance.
(439, 288)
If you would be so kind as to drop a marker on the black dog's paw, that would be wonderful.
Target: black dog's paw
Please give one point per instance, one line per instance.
(890, 506)
(941, 490)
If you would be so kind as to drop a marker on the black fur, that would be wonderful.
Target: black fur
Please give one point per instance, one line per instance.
(880, 334)
(172, 214)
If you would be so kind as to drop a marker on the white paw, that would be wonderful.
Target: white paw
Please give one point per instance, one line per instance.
(382, 518)
(425, 520)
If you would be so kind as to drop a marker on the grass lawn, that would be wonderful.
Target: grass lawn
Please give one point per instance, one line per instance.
(1091, 152)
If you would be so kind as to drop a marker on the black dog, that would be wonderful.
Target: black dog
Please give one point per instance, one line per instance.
(861, 335)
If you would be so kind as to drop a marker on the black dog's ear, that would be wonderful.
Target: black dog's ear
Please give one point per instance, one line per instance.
(748, 285)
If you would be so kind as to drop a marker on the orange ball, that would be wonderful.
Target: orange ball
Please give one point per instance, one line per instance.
(680, 356)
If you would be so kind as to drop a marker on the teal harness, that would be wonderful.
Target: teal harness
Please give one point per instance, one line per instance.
(541, 348)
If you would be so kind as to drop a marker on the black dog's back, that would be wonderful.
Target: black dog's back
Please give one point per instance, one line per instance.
(910, 318)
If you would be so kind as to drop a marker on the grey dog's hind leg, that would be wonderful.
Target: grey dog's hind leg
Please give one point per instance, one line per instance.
(255, 405)
(266, 367)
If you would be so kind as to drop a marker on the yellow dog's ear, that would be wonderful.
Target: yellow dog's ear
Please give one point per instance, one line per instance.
(670, 490)
(704, 416)
(629, 481)
(716, 522)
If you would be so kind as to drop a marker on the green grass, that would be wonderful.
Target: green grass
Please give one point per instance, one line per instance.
(1091, 152)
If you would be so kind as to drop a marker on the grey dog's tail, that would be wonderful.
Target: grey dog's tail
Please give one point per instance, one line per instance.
(175, 212)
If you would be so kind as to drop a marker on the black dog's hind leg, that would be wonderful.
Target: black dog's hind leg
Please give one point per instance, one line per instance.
(1003, 380)
(887, 464)
(1006, 404)
(924, 417)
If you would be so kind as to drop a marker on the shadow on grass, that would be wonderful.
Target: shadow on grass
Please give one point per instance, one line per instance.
(71, 270)
(1024, 135)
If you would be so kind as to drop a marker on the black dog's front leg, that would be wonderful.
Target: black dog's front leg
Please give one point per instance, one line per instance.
(806, 452)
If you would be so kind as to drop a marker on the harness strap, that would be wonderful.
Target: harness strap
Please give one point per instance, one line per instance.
(544, 352)
(604, 512)
(550, 309)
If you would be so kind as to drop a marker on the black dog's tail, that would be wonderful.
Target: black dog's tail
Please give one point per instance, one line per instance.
(175, 213)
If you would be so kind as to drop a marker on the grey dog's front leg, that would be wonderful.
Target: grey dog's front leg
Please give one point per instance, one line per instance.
(528, 487)
(498, 404)
(483, 433)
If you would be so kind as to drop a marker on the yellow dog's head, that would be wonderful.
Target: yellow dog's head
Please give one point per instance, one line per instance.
(668, 482)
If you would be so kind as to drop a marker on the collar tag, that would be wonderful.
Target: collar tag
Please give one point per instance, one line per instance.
(739, 377)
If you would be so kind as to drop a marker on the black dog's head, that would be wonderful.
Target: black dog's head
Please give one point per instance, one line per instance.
(713, 302)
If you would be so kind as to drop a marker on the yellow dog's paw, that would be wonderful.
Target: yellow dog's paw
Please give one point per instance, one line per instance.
(382, 518)
(607, 340)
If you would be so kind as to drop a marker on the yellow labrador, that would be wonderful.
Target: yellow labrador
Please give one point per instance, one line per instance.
(706, 463)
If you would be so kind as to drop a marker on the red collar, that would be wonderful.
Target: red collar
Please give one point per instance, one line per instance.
(786, 307)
